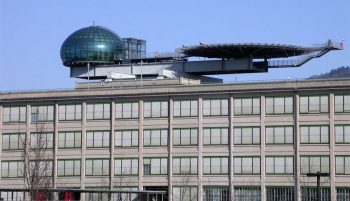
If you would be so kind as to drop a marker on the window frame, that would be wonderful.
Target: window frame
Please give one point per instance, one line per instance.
(223, 111)
(60, 133)
(77, 116)
(221, 165)
(47, 117)
(241, 136)
(274, 105)
(343, 103)
(309, 135)
(181, 108)
(92, 167)
(19, 143)
(180, 165)
(93, 112)
(64, 169)
(241, 113)
(102, 138)
(48, 143)
(343, 134)
(274, 165)
(19, 172)
(181, 134)
(284, 135)
(344, 157)
(241, 166)
(132, 112)
(121, 167)
(309, 111)
(122, 138)
(19, 114)
(161, 104)
(309, 166)
(220, 136)
(150, 166)
(160, 138)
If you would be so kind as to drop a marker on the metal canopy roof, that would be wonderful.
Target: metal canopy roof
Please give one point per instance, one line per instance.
(243, 50)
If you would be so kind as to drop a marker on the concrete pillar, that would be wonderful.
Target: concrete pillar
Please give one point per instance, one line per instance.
(200, 149)
(83, 148)
(140, 145)
(297, 190)
(332, 147)
(170, 151)
(55, 145)
(262, 147)
(112, 145)
(231, 144)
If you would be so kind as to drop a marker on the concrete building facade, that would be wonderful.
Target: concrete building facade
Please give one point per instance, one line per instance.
(239, 141)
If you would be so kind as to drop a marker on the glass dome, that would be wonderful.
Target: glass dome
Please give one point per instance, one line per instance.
(94, 45)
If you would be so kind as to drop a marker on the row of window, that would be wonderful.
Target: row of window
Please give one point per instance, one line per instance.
(315, 134)
(182, 108)
(210, 193)
(213, 165)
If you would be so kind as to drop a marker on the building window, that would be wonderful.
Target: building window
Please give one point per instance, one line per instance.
(279, 135)
(126, 138)
(314, 104)
(246, 135)
(97, 139)
(247, 193)
(127, 110)
(14, 114)
(279, 105)
(69, 139)
(41, 140)
(97, 196)
(246, 106)
(217, 193)
(280, 193)
(126, 166)
(313, 164)
(97, 167)
(11, 169)
(215, 165)
(44, 167)
(69, 112)
(343, 193)
(184, 165)
(185, 193)
(42, 113)
(155, 109)
(185, 136)
(12, 195)
(246, 165)
(155, 166)
(342, 103)
(96, 111)
(13, 141)
(215, 136)
(310, 193)
(155, 137)
(185, 108)
(127, 196)
(342, 165)
(215, 107)
(279, 165)
(342, 134)
(314, 135)
(69, 167)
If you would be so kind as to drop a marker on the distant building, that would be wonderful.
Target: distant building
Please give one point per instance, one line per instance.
(195, 140)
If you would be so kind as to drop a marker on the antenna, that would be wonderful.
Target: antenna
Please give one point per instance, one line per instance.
(93, 23)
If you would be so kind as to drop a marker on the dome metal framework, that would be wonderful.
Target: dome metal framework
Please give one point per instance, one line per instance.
(94, 45)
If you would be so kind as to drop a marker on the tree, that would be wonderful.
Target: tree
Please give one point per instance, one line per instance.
(37, 158)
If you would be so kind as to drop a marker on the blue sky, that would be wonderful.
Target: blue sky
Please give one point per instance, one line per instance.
(32, 31)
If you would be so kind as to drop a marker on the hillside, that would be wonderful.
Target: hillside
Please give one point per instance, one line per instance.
(341, 72)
